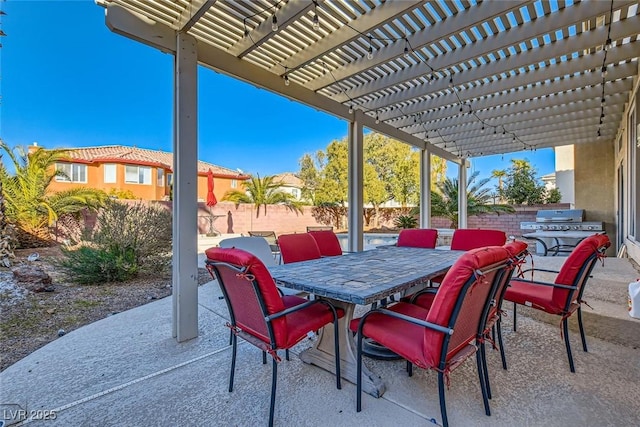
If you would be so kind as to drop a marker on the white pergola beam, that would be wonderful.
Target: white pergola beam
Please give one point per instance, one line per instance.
(185, 197)
(579, 42)
(546, 95)
(191, 16)
(566, 68)
(384, 12)
(286, 15)
(356, 183)
(425, 189)
(440, 30)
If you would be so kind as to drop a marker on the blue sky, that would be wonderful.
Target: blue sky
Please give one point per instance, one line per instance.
(67, 81)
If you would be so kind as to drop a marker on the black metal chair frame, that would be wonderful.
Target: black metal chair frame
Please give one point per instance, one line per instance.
(269, 318)
(583, 275)
(448, 332)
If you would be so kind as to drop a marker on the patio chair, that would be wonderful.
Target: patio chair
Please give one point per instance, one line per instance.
(270, 237)
(298, 247)
(563, 297)
(259, 247)
(319, 228)
(442, 337)
(261, 316)
(327, 242)
(465, 239)
(418, 238)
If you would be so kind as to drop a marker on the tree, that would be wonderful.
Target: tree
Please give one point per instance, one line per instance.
(28, 203)
(521, 185)
(6, 233)
(263, 192)
(444, 201)
(553, 196)
(500, 174)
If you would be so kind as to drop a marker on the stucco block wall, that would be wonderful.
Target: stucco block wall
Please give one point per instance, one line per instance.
(595, 183)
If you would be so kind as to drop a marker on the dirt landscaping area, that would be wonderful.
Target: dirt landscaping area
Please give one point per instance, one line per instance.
(30, 320)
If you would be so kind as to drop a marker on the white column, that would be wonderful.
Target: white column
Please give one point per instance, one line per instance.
(356, 180)
(462, 195)
(425, 189)
(185, 199)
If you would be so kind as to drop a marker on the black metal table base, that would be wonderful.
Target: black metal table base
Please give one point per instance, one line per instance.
(374, 350)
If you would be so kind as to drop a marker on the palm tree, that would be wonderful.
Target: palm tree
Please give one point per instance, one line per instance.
(6, 234)
(263, 192)
(29, 205)
(500, 174)
(444, 201)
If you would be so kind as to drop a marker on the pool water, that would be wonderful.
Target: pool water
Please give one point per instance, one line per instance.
(371, 241)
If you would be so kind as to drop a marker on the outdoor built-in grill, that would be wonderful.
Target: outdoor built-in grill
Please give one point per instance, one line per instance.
(559, 231)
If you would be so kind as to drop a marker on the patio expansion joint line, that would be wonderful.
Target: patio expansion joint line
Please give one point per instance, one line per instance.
(129, 383)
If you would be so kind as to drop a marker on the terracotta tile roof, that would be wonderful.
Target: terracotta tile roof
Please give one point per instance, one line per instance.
(134, 155)
(288, 178)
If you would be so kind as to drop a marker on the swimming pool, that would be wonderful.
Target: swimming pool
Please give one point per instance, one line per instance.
(371, 240)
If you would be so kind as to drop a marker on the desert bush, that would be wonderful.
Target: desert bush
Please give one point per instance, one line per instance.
(89, 265)
(127, 239)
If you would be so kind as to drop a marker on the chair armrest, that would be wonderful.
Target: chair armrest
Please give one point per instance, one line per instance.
(540, 269)
(423, 291)
(406, 318)
(555, 285)
(290, 310)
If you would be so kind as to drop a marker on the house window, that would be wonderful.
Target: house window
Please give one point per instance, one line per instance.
(160, 177)
(109, 173)
(137, 175)
(295, 192)
(169, 179)
(74, 172)
(234, 183)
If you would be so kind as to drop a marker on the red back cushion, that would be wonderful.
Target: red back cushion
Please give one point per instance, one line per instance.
(448, 294)
(327, 242)
(573, 264)
(516, 248)
(465, 239)
(298, 247)
(242, 297)
(418, 238)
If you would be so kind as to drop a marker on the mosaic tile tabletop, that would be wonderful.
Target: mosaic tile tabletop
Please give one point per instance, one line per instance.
(365, 277)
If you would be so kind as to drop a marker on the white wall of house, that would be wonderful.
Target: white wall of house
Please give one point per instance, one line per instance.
(565, 179)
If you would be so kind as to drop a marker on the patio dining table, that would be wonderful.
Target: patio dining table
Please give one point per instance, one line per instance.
(359, 278)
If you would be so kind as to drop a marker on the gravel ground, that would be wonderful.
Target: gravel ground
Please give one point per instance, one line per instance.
(30, 320)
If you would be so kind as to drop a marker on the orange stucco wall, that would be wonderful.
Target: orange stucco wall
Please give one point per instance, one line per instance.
(152, 191)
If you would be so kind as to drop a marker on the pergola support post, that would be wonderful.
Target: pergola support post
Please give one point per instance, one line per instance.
(356, 183)
(425, 189)
(185, 199)
(462, 195)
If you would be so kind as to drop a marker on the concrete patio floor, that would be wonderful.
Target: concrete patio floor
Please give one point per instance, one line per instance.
(126, 370)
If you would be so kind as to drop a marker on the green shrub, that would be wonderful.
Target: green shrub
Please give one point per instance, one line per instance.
(406, 221)
(88, 265)
(127, 239)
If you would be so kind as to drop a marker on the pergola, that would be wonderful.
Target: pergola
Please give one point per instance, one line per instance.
(456, 79)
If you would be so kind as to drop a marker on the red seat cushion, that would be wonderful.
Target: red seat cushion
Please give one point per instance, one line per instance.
(536, 296)
(327, 242)
(404, 338)
(418, 238)
(299, 323)
(465, 239)
(298, 247)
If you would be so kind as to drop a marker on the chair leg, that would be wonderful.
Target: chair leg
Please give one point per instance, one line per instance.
(274, 380)
(483, 385)
(485, 371)
(286, 354)
(582, 335)
(514, 316)
(230, 337)
(443, 403)
(264, 357)
(336, 344)
(359, 374)
(565, 330)
(409, 368)
(498, 327)
(234, 342)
